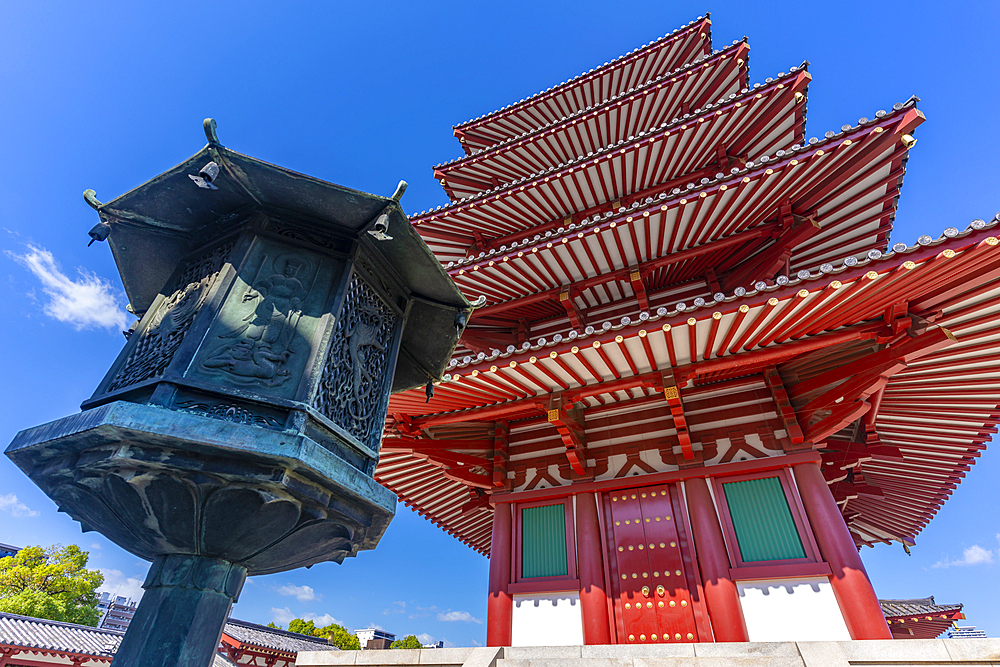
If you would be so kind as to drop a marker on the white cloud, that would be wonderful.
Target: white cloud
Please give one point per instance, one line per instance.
(96, 545)
(425, 638)
(10, 503)
(321, 621)
(458, 616)
(88, 302)
(116, 583)
(974, 555)
(282, 616)
(300, 593)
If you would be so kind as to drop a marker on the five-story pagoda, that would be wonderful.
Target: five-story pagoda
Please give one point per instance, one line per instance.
(702, 378)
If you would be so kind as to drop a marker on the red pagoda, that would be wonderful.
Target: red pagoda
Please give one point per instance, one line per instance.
(700, 378)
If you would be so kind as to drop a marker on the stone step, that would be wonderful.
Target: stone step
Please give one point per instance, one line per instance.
(655, 655)
(656, 661)
(882, 653)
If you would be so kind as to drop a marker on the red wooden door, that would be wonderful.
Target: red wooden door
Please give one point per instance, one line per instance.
(654, 603)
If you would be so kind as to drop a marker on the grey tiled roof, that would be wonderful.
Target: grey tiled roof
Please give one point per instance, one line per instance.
(71, 638)
(222, 661)
(280, 640)
(916, 607)
(55, 636)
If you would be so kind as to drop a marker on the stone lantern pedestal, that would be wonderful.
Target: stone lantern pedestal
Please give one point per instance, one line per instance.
(238, 431)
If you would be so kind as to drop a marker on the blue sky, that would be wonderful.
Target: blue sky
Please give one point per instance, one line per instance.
(107, 96)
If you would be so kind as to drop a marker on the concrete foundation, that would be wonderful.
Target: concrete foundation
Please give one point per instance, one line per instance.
(898, 653)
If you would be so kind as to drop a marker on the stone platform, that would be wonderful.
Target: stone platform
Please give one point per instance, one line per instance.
(894, 653)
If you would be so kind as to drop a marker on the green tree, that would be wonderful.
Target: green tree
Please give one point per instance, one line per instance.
(342, 637)
(274, 625)
(303, 627)
(409, 641)
(52, 583)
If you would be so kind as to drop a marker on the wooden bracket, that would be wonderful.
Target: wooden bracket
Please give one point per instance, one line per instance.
(569, 421)
(481, 243)
(896, 316)
(635, 279)
(478, 501)
(792, 230)
(501, 453)
(842, 458)
(567, 301)
(854, 383)
(672, 393)
(785, 410)
(712, 280)
(522, 331)
(405, 426)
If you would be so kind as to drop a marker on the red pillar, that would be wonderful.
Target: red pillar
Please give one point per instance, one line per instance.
(500, 605)
(593, 598)
(850, 583)
(721, 596)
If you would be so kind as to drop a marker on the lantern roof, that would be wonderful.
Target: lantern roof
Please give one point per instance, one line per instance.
(153, 226)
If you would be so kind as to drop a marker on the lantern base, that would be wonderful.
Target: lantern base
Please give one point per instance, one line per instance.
(158, 481)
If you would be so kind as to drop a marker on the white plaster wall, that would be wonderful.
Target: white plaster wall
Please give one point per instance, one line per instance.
(784, 610)
(547, 619)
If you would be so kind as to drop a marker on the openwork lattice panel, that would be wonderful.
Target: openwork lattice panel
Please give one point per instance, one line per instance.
(353, 391)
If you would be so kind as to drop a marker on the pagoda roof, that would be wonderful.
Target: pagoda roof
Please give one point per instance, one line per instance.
(628, 71)
(919, 618)
(897, 484)
(762, 121)
(589, 129)
(668, 236)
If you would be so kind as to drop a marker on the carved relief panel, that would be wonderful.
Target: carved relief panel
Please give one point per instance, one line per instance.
(263, 336)
(157, 341)
(354, 387)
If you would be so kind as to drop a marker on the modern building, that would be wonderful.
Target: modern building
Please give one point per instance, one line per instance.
(36, 642)
(116, 611)
(703, 377)
(8, 550)
(374, 638)
(920, 618)
(966, 632)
